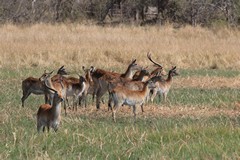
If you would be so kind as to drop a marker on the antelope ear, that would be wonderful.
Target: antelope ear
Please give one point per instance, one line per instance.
(61, 67)
(92, 69)
(83, 67)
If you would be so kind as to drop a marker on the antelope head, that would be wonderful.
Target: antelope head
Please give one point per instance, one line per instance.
(88, 73)
(62, 71)
(45, 76)
(151, 84)
(134, 67)
(173, 71)
(57, 97)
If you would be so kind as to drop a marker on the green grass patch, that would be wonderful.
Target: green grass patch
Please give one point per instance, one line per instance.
(208, 72)
(220, 98)
(83, 137)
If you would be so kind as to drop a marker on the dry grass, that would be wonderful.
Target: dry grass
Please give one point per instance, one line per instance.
(155, 111)
(43, 45)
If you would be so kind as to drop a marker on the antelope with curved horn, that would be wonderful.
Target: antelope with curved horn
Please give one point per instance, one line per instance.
(50, 115)
(101, 79)
(157, 71)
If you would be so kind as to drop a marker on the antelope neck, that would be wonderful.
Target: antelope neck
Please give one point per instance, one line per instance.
(128, 73)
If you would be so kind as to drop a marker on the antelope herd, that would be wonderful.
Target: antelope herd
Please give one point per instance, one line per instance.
(133, 88)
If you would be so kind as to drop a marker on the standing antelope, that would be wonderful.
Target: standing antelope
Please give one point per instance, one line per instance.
(101, 79)
(131, 85)
(88, 83)
(57, 84)
(123, 96)
(50, 115)
(163, 86)
(135, 84)
(70, 87)
(77, 88)
(35, 86)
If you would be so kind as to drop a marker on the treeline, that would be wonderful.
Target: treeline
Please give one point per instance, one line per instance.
(193, 12)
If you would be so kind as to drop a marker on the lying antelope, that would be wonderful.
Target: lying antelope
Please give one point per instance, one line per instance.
(163, 86)
(50, 115)
(34, 85)
(124, 96)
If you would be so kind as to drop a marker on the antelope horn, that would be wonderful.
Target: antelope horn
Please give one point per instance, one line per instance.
(134, 61)
(145, 68)
(174, 67)
(61, 68)
(149, 57)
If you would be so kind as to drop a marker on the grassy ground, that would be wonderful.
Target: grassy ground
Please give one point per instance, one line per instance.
(195, 123)
(200, 120)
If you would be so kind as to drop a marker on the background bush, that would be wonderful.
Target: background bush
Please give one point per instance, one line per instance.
(194, 12)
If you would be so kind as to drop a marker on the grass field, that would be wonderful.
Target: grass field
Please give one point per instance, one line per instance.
(200, 120)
